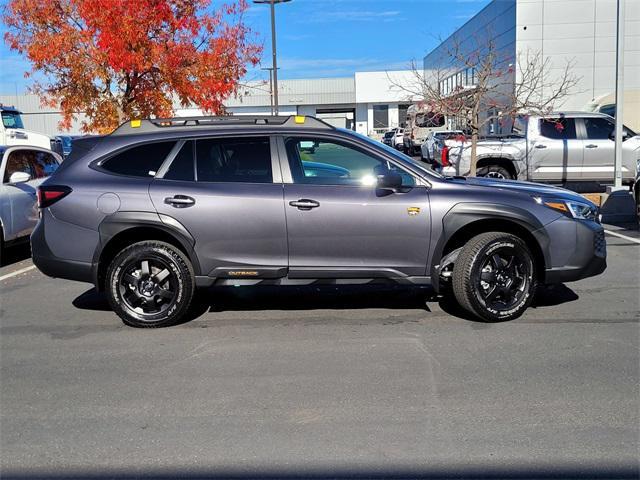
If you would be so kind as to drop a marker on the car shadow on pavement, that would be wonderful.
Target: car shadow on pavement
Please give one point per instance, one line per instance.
(326, 297)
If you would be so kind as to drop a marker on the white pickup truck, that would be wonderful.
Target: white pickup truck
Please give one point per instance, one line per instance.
(12, 131)
(557, 148)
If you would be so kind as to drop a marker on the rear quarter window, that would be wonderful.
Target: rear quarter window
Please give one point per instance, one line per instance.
(139, 161)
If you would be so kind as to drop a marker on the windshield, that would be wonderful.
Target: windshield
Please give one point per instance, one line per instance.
(397, 154)
(12, 120)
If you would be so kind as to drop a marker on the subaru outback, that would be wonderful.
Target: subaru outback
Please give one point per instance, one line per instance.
(161, 207)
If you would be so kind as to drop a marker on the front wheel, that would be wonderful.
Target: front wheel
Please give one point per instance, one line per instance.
(494, 277)
(495, 171)
(150, 284)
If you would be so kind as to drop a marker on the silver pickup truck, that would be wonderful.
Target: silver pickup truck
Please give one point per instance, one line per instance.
(558, 148)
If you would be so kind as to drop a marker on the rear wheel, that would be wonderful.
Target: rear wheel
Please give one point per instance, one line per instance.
(150, 284)
(495, 171)
(494, 277)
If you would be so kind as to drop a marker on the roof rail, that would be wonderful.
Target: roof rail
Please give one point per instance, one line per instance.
(195, 123)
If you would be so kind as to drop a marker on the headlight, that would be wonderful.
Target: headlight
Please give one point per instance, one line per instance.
(571, 208)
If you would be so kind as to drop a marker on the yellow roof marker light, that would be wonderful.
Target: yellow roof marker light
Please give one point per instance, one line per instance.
(299, 119)
(136, 123)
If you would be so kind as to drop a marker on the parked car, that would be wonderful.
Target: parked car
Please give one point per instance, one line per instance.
(559, 148)
(161, 207)
(12, 131)
(387, 138)
(22, 170)
(448, 137)
(394, 138)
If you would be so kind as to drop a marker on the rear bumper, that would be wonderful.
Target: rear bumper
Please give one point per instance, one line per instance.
(589, 258)
(56, 267)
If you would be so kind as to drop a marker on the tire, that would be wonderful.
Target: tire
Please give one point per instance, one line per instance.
(495, 171)
(494, 277)
(150, 284)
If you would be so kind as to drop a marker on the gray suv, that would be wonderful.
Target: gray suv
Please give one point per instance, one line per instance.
(161, 207)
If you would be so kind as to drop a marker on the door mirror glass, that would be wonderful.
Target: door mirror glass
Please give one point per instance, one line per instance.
(19, 177)
(390, 181)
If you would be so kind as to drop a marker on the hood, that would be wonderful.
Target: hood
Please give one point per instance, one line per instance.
(527, 188)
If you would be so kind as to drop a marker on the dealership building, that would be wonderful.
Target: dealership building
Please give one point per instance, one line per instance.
(368, 102)
(582, 32)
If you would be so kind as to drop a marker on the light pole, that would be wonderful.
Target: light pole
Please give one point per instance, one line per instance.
(272, 4)
(617, 170)
(270, 70)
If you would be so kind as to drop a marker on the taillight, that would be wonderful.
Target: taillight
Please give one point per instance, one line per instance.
(445, 156)
(50, 194)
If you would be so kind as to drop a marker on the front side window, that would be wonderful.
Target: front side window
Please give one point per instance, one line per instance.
(12, 120)
(325, 162)
(558, 128)
(140, 161)
(598, 128)
(245, 160)
(20, 161)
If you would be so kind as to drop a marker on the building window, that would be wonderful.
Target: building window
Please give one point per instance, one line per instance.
(380, 116)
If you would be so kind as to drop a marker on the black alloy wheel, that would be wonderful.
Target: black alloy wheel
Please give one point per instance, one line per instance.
(494, 276)
(150, 284)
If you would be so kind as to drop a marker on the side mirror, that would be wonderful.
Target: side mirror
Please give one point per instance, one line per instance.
(625, 135)
(390, 181)
(19, 177)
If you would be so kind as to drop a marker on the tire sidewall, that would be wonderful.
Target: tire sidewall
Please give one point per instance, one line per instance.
(484, 172)
(178, 264)
(474, 296)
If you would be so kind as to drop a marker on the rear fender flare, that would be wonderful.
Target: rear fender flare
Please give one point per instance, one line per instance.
(122, 221)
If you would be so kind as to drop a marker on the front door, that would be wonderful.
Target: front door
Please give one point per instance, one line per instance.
(223, 192)
(340, 225)
(556, 154)
(599, 149)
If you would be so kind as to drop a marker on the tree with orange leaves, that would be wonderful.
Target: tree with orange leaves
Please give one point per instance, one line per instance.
(119, 59)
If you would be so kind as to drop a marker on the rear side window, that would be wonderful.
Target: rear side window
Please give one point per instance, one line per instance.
(44, 164)
(140, 161)
(558, 128)
(183, 166)
(245, 160)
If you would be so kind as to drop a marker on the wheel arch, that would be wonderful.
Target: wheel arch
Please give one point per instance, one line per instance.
(465, 221)
(117, 233)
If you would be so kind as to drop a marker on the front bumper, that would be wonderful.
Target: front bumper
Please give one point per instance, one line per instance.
(588, 257)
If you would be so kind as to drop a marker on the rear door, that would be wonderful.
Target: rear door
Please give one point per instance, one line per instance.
(599, 149)
(339, 224)
(556, 154)
(227, 193)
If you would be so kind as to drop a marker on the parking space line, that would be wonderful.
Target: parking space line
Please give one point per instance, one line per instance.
(630, 239)
(17, 272)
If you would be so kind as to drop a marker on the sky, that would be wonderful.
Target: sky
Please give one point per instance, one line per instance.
(325, 38)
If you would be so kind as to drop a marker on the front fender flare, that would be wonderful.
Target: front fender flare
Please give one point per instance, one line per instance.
(463, 214)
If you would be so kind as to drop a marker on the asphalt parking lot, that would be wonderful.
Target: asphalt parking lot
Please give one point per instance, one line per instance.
(317, 382)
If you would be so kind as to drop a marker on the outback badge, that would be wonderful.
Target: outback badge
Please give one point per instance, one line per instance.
(412, 211)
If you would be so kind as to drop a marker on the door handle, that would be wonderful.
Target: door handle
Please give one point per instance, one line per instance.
(180, 201)
(591, 145)
(540, 146)
(304, 204)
